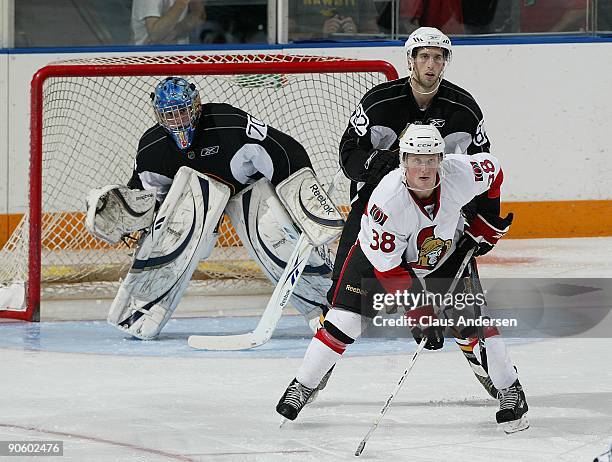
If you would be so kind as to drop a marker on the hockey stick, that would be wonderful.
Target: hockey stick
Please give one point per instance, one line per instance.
(474, 281)
(387, 405)
(391, 397)
(274, 309)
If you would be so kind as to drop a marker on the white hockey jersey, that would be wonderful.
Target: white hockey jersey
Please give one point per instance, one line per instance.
(396, 226)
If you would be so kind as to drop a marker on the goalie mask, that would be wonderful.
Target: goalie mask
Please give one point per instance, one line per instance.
(177, 107)
(421, 153)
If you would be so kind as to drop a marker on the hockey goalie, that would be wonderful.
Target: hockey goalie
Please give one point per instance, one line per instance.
(196, 163)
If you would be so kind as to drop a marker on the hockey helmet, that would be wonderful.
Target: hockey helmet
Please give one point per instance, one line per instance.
(428, 37)
(420, 140)
(177, 107)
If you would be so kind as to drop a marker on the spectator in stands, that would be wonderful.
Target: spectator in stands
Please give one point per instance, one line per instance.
(235, 24)
(310, 19)
(445, 15)
(165, 21)
(604, 16)
(489, 16)
(553, 15)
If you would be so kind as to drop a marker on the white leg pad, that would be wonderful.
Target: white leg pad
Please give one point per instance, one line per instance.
(268, 233)
(182, 234)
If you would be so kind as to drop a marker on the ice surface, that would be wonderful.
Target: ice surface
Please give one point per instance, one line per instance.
(112, 398)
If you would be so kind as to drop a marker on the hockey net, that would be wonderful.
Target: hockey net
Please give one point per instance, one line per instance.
(86, 119)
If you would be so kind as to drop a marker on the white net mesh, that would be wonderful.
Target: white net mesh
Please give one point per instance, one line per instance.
(91, 128)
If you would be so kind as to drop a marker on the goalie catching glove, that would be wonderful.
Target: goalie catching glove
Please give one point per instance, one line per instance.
(486, 232)
(114, 211)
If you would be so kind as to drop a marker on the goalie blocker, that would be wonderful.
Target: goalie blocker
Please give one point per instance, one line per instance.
(270, 236)
(310, 207)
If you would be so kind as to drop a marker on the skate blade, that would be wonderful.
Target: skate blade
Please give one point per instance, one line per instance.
(312, 397)
(516, 425)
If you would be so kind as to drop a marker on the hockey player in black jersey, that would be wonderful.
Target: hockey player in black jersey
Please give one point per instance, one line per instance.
(368, 149)
(198, 162)
(216, 139)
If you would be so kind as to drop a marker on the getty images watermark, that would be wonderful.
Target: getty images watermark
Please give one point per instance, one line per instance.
(458, 302)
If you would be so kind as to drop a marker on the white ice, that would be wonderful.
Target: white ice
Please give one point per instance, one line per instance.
(111, 398)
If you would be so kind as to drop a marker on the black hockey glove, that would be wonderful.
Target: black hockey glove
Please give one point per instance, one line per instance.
(380, 162)
(485, 232)
(422, 322)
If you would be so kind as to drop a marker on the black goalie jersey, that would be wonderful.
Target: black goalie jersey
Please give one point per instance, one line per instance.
(229, 145)
(387, 109)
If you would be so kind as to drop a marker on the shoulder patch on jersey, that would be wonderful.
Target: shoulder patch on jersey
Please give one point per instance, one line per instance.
(256, 129)
(378, 215)
(359, 120)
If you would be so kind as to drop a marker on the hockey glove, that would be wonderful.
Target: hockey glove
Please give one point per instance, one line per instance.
(422, 322)
(486, 232)
(380, 162)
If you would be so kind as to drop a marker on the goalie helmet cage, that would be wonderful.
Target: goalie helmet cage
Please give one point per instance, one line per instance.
(87, 116)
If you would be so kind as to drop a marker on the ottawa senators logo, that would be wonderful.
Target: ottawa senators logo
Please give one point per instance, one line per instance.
(431, 248)
(378, 215)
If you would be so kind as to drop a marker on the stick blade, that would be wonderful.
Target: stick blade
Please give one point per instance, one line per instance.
(225, 342)
(360, 448)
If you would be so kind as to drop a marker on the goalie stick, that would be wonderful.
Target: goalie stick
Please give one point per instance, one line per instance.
(391, 397)
(274, 309)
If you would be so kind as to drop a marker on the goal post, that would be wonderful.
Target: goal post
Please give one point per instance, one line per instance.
(86, 118)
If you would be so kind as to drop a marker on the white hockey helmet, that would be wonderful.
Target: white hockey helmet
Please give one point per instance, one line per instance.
(428, 37)
(421, 139)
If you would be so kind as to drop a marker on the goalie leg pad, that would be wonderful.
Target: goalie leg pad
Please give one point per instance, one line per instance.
(310, 207)
(182, 234)
(114, 211)
(268, 233)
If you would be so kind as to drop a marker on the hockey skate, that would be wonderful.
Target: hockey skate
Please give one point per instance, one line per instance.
(293, 400)
(321, 386)
(512, 408)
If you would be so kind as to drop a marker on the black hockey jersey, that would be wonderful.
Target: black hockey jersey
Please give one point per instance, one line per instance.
(386, 110)
(229, 145)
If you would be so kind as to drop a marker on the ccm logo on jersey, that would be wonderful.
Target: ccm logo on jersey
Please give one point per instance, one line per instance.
(378, 215)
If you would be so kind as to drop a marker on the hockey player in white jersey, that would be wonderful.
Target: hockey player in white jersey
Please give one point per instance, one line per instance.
(196, 163)
(411, 240)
